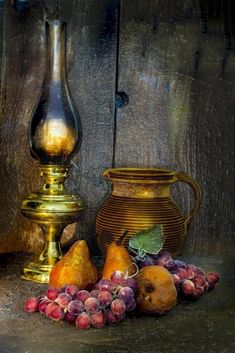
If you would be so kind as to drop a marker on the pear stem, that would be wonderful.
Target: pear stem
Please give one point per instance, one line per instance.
(119, 241)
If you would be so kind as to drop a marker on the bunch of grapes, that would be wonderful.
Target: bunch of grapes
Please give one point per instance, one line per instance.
(107, 303)
(190, 281)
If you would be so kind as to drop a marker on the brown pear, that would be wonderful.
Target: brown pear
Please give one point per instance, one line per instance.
(118, 259)
(75, 268)
(156, 292)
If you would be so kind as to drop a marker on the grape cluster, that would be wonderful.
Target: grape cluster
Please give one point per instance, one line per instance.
(190, 281)
(107, 303)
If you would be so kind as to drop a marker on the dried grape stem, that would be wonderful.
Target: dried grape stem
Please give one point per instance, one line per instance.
(135, 274)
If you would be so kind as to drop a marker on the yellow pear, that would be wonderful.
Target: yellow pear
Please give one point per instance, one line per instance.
(118, 259)
(75, 268)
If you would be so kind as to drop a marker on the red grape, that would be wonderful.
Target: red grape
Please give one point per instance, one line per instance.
(160, 262)
(71, 290)
(130, 305)
(161, 258)
(43, 305)
(199, 280)
(187, 287)
(98, 319)
(191, 271)
(131, 282)
(52, 293)
(111, 318)
(31, 305)
(70, 318)
(54, 311)
(118, 307)
(105, 298)
(198, 292)
(94, 293)
(212, 278)
(75, 307)
(82, 295)
(117, 277)
(164, 255)
(63, 299)
(126, 294)
(92, 305)
(181, 273)
(105, 284)
(83, 321)
(171, 266)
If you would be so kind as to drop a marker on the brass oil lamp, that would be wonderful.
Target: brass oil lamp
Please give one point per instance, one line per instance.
(55, 136)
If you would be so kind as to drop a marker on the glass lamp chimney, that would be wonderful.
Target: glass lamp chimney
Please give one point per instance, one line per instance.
(55, 129)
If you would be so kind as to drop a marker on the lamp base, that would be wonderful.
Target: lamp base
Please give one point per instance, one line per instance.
(52, 209)
(36, 272)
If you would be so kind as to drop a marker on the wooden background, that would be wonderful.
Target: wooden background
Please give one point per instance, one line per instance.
(174, 60)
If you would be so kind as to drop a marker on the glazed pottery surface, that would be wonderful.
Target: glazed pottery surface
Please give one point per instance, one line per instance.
(141, 198)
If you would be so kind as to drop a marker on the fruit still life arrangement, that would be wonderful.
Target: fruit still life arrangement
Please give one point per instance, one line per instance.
(144, 278)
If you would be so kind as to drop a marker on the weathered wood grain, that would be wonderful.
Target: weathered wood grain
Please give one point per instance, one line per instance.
(211, 139)
(50, 9)
(171, 72)
(91, 65)
(24, 67)
(157, 58)
(91, 48)
(1, 44)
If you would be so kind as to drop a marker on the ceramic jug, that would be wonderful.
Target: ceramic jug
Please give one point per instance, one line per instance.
(141, 198)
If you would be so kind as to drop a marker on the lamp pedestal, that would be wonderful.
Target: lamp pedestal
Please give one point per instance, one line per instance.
(52, 209)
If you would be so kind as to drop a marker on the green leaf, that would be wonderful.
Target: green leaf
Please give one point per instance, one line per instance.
(148, 240)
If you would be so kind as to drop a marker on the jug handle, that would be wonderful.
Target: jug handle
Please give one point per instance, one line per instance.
(197, 193)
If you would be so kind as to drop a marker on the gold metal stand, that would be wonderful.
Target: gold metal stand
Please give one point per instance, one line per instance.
(53, 210)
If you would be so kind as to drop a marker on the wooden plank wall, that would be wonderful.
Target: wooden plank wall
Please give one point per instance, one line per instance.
(174, 61)
(92, 74)
(22, 76)
(176, 64)
(91, 59)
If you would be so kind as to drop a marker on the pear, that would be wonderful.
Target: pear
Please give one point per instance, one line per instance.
(75, 268)
(156, 292)
(118, 259)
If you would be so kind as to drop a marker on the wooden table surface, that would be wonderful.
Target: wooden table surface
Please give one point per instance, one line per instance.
(207, 325)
